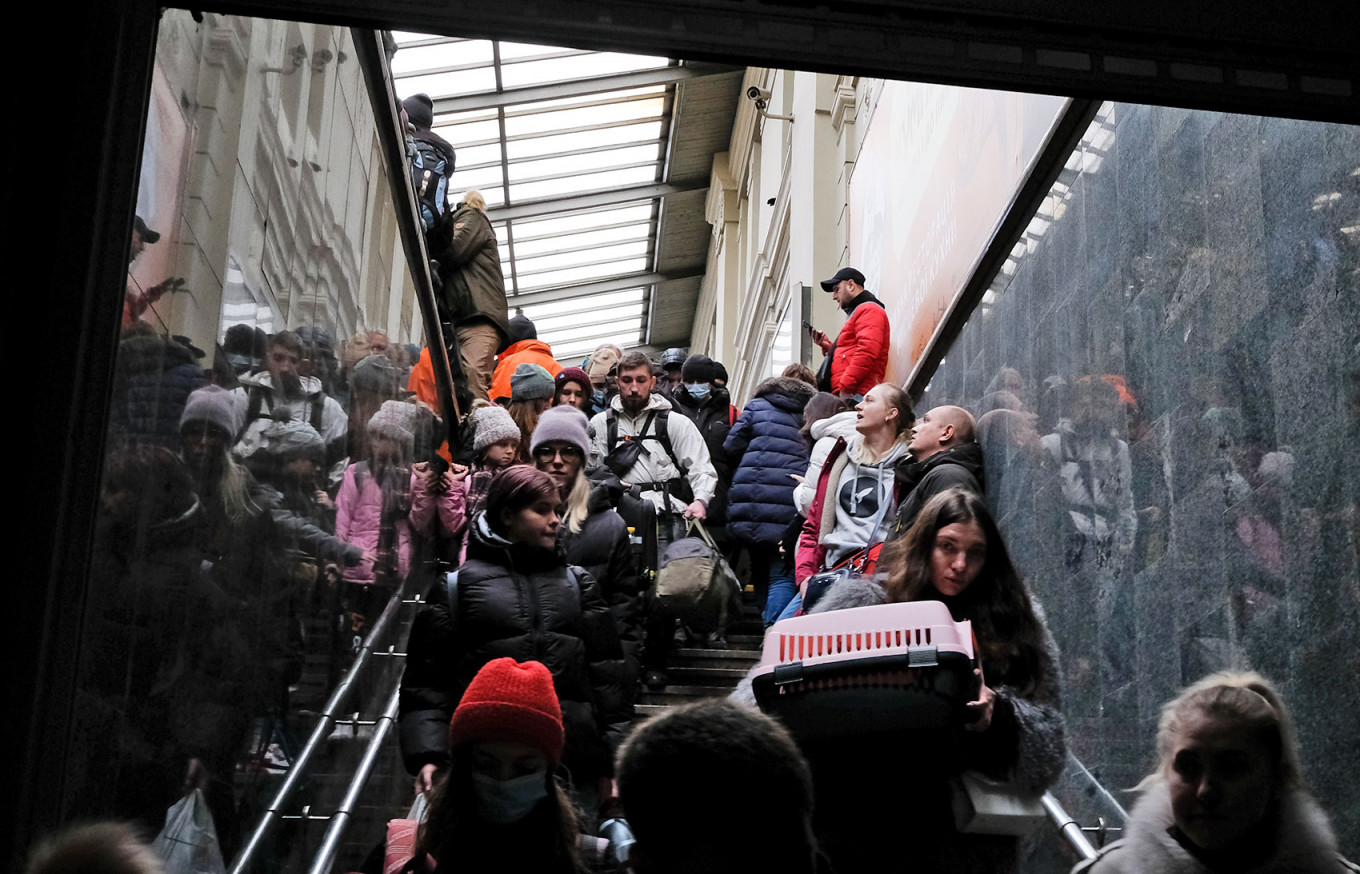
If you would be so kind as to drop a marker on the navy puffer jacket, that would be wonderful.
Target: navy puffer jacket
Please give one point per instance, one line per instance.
(766, 439)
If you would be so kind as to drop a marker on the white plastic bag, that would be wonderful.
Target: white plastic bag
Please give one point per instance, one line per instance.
(188, 842)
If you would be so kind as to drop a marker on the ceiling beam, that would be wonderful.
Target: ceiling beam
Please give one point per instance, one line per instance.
(608, 197)
(584, 87)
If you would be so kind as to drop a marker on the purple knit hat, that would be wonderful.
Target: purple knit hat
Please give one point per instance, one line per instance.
(562, 422)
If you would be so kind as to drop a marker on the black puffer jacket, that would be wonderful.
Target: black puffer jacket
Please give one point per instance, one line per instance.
(956, 467)
(602, 549)
(713, 417)
(523, 603)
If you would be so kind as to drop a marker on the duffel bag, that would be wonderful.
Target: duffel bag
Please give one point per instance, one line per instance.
(695, 582)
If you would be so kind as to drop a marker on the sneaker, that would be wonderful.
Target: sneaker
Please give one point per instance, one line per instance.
(655, 679)
(717, 640)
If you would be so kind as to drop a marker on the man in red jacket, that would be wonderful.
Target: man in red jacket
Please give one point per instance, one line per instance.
(859, 354)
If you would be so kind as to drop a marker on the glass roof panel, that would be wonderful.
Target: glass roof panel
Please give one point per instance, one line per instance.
(588, 116)
(615, 326)
(609, 136)
(433, 57)
(584, 221)
(590, 316)
(589, 238)
(558, 260)
(584, 183)
(584, 66)
(579, 142)
(613, 298)
(584, 163)
(442, 84)
(572, 275)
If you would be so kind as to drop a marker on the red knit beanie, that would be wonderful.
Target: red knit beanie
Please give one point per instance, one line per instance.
(511, 701)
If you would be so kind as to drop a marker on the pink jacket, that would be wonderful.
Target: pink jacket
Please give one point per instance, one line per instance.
(359, 515)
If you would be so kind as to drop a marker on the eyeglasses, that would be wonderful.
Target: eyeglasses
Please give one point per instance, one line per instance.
(548, 453)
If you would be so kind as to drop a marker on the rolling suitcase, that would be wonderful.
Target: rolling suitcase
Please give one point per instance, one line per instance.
(868, 670)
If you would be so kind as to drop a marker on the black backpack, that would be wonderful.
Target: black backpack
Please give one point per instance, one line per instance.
(430, 172)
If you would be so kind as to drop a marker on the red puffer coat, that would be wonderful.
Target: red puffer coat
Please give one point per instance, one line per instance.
(861, 353)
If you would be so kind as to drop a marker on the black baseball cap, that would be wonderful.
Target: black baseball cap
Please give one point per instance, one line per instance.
(841, 275)
(148, 236)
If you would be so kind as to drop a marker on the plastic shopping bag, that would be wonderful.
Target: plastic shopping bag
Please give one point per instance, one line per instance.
(188, 842)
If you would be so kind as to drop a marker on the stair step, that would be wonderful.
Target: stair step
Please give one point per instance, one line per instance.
(676, 692)
(704, 676)
(725, 655)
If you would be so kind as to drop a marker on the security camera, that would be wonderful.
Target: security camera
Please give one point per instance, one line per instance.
(757, 94)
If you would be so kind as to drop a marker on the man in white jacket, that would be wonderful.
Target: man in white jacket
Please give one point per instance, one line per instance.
(674, 460)
(672, 471)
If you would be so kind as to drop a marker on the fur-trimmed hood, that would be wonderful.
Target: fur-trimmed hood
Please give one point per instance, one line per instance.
(1304, 841)
(785, 392)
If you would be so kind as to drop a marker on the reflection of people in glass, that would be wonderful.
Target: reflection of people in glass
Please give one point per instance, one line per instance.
(136, 300)
(262, 394)
(1096, 474)
(1228, 793)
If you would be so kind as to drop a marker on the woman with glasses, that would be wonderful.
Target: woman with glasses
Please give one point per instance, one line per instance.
(595, 537)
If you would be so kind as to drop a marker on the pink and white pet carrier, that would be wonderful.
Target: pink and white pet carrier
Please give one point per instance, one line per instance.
(885, 668)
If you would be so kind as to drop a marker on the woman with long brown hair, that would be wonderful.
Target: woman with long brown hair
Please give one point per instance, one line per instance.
(953, 553)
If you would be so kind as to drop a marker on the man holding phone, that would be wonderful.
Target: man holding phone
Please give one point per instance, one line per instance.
(857, 359)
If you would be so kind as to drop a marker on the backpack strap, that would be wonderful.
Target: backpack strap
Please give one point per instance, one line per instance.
(611, 429)
(256, 396)
(317, 403)
(663, 437)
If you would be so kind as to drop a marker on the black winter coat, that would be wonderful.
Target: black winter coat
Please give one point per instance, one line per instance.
(767, 447)
(153, 378)
(956, 467)
(601, 548)
(713, 418)
(517, 602)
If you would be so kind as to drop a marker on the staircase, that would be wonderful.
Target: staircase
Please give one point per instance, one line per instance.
(707, 671)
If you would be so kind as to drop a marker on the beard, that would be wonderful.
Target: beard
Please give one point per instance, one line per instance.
(634, 405)
(289, 385)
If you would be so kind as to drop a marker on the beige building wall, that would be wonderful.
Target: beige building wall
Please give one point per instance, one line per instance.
(263, 173)
(778, 208)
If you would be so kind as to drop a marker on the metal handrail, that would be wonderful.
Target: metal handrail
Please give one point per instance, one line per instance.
(1067, 826)
(332, 708)
(339, 821)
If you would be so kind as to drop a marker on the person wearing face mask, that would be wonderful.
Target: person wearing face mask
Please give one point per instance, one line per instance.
(1228, 793)
(515, 595)
(1014, 732)
(501, 806)
(708, 406)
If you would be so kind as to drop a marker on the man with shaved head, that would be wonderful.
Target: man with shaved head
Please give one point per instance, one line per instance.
(944, 455)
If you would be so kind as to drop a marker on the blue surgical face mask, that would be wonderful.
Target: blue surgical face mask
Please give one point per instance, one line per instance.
(598, 398)
(698, 390)
(507, 801)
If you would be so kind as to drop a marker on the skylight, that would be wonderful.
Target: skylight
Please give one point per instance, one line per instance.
(534, 127)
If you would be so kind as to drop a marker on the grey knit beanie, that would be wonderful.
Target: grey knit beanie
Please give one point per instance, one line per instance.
(215, 405)
(393, 420)
(531, 382)
(493, 425)
(563, 422)
(287, 437)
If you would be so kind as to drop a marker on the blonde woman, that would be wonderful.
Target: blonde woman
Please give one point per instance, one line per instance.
(593, 535)
(1228, 793)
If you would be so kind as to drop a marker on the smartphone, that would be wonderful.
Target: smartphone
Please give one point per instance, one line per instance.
(807, 326)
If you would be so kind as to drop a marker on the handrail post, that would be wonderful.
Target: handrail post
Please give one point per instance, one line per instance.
(1068, 827)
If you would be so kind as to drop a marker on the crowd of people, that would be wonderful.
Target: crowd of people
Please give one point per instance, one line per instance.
(259, 511)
